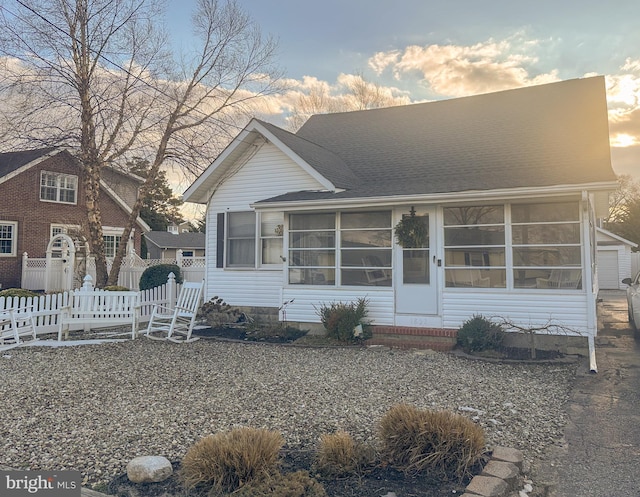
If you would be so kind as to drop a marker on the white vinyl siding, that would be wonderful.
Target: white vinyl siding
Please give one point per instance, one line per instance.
(267, 174)
(526, 307)
(307, 299)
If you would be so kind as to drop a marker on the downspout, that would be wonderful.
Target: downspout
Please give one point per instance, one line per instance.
(592, 319)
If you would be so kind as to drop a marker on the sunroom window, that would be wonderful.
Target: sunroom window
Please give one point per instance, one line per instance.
(312, 249)
(474, 238)
(546, 245)
(365, 248)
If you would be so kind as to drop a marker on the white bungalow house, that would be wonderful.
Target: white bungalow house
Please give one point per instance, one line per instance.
(506, 186)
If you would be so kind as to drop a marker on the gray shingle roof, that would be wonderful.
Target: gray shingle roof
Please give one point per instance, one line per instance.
(10, 161)
(164, 239)
(547, 135)
(326, 162)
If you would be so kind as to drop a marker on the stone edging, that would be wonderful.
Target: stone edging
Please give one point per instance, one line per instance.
(501, 475)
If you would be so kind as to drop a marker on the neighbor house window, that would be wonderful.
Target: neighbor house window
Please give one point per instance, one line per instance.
(474, 239)
(546, 245)
(56, 187)
(57, 229)
(8, 238)
(241, 239)
(111, 244)
(312, 249)
(271, 231)
(365, 248)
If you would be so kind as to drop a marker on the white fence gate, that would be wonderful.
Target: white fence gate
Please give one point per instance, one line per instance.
(34, 270)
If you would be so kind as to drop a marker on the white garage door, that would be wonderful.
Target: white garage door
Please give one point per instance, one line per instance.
(608, 270)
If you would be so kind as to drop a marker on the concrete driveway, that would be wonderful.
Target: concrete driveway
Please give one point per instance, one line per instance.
(600, 456)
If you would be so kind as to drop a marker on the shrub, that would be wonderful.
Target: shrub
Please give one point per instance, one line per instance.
(339, 455)
(158, 275)
(416, 440)
(298, 484)
(479, 333)
(231, 459)
(341, 319)
(17, 292)
(218, 313)
(116, 288)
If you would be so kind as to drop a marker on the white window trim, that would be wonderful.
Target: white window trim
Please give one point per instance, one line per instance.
(58, 189)
(14, 238)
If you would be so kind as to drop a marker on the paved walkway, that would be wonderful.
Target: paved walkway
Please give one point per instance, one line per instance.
(601, 454)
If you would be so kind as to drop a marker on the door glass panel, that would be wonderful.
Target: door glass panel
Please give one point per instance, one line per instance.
(415, 266)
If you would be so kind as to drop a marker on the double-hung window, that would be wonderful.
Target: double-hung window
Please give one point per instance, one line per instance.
(241, 239)
(57, 187)
(251, 239)
(8, 238)
(546, 245)
(271, 231)
(474, 239)
(111, 244)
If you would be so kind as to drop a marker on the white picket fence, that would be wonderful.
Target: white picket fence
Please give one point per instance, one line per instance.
(46, 308)
(34, 270)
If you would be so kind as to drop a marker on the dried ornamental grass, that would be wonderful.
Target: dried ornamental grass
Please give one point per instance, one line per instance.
(417, 440)
(338, 454)
(231, 459)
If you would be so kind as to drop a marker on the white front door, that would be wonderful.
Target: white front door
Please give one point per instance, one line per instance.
(416, 292)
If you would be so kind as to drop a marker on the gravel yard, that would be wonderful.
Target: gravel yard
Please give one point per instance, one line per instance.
(95, 407)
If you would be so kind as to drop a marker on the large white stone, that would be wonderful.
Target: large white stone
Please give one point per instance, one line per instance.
(148, 469)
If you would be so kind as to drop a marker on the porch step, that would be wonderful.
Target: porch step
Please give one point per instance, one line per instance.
(403, 337)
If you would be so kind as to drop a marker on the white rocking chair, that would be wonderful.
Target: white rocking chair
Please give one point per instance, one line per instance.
(14, 324)
(178, 320)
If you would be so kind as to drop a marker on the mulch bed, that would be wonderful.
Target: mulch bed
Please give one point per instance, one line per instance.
(269, 335)
(378, 481)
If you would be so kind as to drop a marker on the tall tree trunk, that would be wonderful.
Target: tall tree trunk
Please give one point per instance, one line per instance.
(91, 180)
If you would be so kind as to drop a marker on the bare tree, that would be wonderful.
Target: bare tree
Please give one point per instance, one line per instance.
(355, 93)
(97, 76)
(628, 191)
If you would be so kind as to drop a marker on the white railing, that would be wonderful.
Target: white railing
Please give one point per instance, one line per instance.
(34, 270)
(46, 308)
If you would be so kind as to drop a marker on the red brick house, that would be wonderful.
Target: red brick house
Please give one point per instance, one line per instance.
(41, 194)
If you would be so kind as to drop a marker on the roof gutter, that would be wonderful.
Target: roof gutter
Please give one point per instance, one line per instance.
(441, 198)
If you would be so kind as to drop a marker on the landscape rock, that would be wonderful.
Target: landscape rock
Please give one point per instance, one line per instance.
(149, 469)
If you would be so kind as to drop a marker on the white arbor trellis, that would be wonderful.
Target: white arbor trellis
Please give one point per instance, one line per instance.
(60, 271)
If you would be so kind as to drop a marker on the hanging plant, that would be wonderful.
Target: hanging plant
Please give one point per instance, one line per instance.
(411, 231)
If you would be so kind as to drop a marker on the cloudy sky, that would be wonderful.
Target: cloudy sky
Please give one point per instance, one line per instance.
(435, 49)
